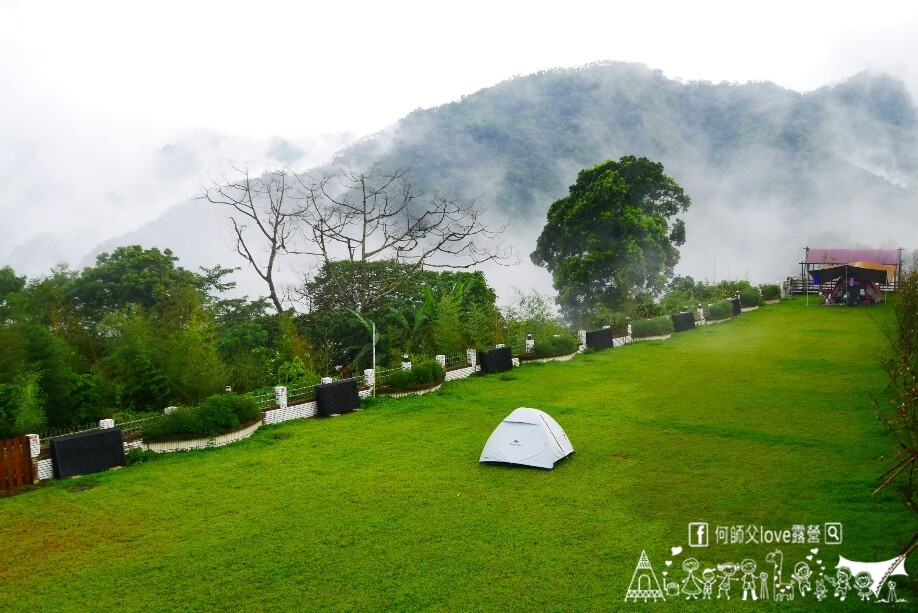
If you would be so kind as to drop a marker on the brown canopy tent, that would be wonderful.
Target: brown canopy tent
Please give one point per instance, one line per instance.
(860, 275)
(854, 286)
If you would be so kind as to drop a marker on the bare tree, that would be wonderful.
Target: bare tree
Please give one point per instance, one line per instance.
(357, 218)
(369, 216)
(264, 220)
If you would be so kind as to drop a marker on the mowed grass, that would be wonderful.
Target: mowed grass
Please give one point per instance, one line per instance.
(763, 420)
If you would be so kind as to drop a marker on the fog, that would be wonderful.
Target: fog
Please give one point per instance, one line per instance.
(776, 172)
(113, 115)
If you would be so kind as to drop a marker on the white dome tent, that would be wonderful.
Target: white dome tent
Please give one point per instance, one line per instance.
(527, 437)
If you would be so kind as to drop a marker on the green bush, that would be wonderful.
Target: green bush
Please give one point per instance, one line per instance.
(657, 326)
(750, 297)
(771, 291)
(554, 346)
(722, 309)
(422, 373)
(216, 414)
(138, 456)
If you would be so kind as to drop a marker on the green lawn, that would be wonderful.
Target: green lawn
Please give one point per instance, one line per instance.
(764, 420)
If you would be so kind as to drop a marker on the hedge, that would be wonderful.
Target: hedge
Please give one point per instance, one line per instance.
(750, 297)
(656, 326)
(771, 292)
(422, 373)
(554, 346)
(722, 309)
(216, 414)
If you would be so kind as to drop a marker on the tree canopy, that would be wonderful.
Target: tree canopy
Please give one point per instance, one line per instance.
(613, 238)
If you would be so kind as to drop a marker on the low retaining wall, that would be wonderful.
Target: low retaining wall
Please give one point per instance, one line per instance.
(653, 338)
(560, 358)
(410, 392)
(45, 469)
(461, 373)
(301, 411)
(203, 443)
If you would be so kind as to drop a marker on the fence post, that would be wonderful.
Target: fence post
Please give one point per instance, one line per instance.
(369, 378)
(441, 359)
(280, 396)
(581, 336)
(34, 450)
(472, 356)
(406, 363)
(529, 342)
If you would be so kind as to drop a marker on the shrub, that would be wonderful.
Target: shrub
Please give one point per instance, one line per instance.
(138, 456)
(555, 345)
(750, 297)
(771, 291)
(244, 408)
(422, 373)
(722, 309)
(216, 414)
(657, 326)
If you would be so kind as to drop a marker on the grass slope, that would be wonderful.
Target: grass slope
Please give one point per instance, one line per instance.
(762, 420)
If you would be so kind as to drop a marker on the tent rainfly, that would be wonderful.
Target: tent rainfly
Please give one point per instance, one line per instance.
(527, 437)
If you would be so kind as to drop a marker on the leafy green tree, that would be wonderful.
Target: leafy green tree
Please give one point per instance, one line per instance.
(614, 237)
(192, 362)
(406, 318)
(448, 328)
(530, 313)
(134, 360)
(30, 405)
(245, 350)
(10, 285)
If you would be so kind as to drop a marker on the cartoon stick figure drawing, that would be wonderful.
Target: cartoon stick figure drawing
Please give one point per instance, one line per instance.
(863, 582)
(727, 571)
(892, 592)
(708, 578)
(802, 574)
(748, 568)
(783, 591)
(840, 582)
(763, 585)
(820, 590)
(690, 586)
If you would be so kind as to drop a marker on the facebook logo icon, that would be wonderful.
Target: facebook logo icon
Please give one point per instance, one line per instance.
(698, 534)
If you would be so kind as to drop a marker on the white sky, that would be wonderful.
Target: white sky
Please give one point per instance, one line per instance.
(92, 91)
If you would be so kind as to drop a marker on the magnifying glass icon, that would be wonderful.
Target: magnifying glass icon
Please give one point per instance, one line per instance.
(833, 534)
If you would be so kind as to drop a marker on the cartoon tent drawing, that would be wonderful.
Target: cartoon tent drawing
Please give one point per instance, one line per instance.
(644, 584)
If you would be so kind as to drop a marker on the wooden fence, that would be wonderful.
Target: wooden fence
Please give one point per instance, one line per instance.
(16, 463)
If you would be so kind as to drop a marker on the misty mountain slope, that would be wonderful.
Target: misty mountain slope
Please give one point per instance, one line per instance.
(836, 164)
(770, 170)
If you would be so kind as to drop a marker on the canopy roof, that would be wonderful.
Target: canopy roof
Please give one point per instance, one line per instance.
(889, 257)
(856, 272)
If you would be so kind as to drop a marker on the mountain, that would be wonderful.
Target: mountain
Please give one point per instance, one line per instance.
(770, 170)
